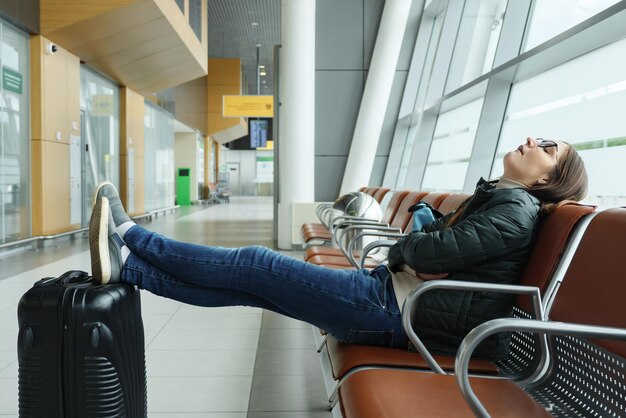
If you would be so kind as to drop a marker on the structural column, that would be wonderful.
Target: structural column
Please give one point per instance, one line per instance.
(296, 144)
(376, 95)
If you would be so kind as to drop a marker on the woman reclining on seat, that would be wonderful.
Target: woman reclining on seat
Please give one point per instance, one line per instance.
(487, 239)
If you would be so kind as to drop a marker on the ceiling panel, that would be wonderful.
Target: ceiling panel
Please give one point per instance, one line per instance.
(233, 35)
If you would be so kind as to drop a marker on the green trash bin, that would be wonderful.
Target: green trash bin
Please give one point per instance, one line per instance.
(183, 186)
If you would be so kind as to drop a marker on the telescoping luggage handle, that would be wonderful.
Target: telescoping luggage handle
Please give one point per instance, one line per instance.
(69, 277)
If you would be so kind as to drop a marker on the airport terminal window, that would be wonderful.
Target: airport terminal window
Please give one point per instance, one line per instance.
(586, 110)
(159, 158)
(431, 31)
(99, 101)
(181, 5)
(195, 17)
(14, 135)
(451, 148)
(476, 40)
(551, 17)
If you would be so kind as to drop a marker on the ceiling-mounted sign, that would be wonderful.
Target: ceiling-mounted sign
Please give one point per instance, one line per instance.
(248, 106)
(11, 80)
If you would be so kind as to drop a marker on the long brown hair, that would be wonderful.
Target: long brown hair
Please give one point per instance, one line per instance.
(567, 182)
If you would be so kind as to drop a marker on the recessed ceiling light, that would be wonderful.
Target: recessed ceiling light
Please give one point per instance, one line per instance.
(263, 73)
(255, 23)
(261, 66)
(259, 45)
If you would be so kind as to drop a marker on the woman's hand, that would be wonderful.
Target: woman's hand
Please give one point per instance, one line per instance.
(395, 258)
(427, 276)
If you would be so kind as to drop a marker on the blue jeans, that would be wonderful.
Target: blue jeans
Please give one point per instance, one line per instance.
(355, 306)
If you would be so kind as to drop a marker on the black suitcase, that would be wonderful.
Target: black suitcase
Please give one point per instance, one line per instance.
(81, 350)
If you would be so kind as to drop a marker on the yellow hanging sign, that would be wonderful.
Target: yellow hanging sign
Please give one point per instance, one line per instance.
(247, 106)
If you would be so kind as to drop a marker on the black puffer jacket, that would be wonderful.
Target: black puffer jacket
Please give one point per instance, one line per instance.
(491, 243)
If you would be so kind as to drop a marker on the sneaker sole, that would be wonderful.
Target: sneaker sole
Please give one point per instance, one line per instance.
(99, 242)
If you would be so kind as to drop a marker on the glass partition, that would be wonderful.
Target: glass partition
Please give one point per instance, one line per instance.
(451, 148)
(15, 203)
(159, 158)
(100, 103)
(581, 102)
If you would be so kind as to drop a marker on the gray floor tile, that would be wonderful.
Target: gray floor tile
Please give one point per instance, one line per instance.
(214, 319)
(8, 340)
(155, 321)
(294, 362)
(8, 396)
(198, 415)
(10, 371)
(200, 363)
(288, 393)
(182, 339)
(8, 319)
(198, 394)
(274, 320)
(7, 357)
(286, 338)
(290, 414)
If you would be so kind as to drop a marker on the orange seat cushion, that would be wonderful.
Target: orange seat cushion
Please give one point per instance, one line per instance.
(344, 357)
(406, 394)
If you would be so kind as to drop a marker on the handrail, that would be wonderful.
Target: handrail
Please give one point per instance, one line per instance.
(154, 212)
(76, 231)
(41, 238)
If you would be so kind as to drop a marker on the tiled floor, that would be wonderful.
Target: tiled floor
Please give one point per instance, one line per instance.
(216, 363)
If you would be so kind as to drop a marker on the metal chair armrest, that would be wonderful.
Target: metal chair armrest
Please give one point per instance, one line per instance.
(369, 232)
(338, 235)
(408, 310)
(544, 327)
(375, 245)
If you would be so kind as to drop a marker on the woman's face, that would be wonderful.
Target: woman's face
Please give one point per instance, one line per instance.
(531, 163)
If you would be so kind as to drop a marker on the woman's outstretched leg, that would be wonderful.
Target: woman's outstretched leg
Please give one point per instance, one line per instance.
(354, 306)
(138, 272)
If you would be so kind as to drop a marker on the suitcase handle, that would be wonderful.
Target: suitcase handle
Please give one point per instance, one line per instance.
(74, 276)
(69, 277)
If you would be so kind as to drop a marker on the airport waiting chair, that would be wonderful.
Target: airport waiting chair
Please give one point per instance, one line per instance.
(580, 373)
(557, 237)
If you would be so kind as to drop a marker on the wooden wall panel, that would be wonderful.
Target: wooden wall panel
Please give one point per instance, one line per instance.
(51, 191)
(224, 71)
(55, 93)
(55, 115)
(224, 77)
